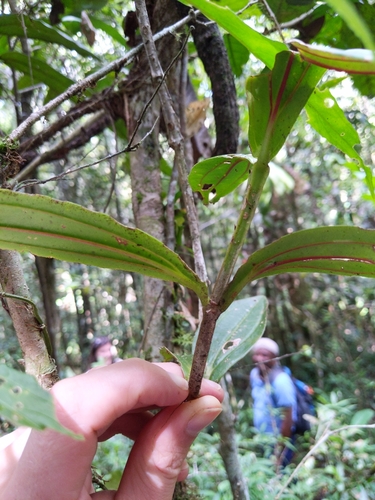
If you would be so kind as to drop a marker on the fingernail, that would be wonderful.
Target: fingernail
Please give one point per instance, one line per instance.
(210, 384)
(201, 419)
(181, 382)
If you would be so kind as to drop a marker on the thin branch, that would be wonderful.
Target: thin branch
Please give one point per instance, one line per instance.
(274, 18)
(175, 138)
(127, 149)
(91, 80)
(249, 4)
(148, 104)
(293, 22)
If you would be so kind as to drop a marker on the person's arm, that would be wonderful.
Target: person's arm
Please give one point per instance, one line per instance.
(99, 404)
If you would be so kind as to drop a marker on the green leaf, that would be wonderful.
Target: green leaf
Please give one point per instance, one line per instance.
(238, 54)
(347, 11)
(73, 21)
(13, 25)
(236, 331)
(262, 47)
(66, 231)
(343, 250)
(74, 6)
(275, 100)
(329, 120)
(41, 72)
(219, 176)
(357, 61)
(184, 360)
(24, 402)
(362, 417)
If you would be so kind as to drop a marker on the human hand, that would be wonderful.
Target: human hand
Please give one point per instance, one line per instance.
(98, 404)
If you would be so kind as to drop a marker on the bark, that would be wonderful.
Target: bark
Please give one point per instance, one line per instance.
(229, 451)
(84, 322)
(144, 165)
(28, 328)
(46, 273)
(147, 204)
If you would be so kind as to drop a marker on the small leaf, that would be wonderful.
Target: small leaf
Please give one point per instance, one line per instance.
(238, 55)
(24, 402)
(195, 114)
(236, 331)
(362, 417)
(184, 360)
(357, 61)
(329, 120)
(343, 250)
(12, 25)
(66, 231)
(219, 176)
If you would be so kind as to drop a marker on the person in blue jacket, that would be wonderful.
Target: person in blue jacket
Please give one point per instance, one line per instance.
(274, 397)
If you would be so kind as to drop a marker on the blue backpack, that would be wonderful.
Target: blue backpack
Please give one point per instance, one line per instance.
(305, 403)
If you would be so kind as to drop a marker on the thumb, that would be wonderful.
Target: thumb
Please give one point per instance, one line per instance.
(158, 455)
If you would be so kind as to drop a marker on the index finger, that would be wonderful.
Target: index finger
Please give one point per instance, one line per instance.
(95, 399)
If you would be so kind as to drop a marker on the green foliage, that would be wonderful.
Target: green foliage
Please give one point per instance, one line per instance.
(12, 25)
(236, 331)
(24, 402)
(338, 250)
(79, 235)
(339, 467)
(216, 177)
(237, 53)
(351, 16)
(41, 71)
(262, 47)
(275, 101)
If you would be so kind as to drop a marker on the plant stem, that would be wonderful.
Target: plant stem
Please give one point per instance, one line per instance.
(211, 313)
(254, 189)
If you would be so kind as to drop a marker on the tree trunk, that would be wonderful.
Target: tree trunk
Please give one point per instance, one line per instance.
(145, 168)
(47, 280)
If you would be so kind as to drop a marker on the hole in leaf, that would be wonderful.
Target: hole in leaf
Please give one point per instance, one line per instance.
(2, 380)
(19, 405)
(16, 389)
(231, 344)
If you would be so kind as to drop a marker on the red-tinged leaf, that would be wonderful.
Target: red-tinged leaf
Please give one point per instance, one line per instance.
(353, 61)
(275, 100)
(219, 176)
(343, 250)
(66, 231)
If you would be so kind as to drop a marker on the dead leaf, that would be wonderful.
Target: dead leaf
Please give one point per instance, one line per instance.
(186, 314)
(195, 114)
(87, 28)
